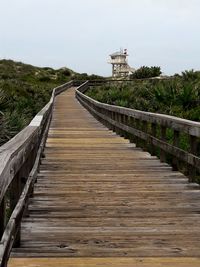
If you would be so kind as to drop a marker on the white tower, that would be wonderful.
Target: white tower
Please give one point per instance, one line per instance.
(120, 67)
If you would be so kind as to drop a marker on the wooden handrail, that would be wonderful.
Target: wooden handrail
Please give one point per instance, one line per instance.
(148, 130)
(20, 157)
(15, 152)
(19, 162)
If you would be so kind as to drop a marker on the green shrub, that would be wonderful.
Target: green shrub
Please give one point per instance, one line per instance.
(146, 72)
(177, 96)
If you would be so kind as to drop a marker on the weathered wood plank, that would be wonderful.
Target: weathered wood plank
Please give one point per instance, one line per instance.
(106, 262)
(19, 156)
(99, 196)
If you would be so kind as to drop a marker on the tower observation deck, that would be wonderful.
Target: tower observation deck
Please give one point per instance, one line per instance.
(120, 66)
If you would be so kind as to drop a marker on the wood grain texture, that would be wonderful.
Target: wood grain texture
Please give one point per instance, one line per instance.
(105, 262)
(97, 195)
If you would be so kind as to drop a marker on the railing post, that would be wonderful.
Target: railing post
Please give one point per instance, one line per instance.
(109, 115)
(163, 138)
(15, 192)
(117, 120)
(125, 121)
(193, 150)
(132, 137)
(144, 129)
(153, 133)
(137, 139)
(120, 121)
(175, 162)
(2, 216)
(113, 118)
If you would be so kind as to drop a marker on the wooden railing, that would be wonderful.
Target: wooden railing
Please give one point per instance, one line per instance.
(150, 131)
(19, 163)
(20, 157)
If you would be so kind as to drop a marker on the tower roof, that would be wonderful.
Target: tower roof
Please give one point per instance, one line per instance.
(120, 53)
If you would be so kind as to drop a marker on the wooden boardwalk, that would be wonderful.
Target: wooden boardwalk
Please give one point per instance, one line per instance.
(99, 196)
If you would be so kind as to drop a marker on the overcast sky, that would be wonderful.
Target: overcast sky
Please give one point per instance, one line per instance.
(80, 34)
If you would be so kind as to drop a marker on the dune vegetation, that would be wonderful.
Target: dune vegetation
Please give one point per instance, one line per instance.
(177, 96)
(24, 90)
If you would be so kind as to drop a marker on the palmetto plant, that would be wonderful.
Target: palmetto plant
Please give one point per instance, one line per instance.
(190, 75)
(2, 99)
(188, 94)
(179, 96)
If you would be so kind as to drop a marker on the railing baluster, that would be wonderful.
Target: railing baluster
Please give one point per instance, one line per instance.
(117, 120)
(132, 137)
(125, 119)
(121, 121)
(175, 161)
(113, 118)
(153, 133)
(193, 150)
(144, 129)
(15, 192)
(2, 216)
(163, 138)
(137, 126)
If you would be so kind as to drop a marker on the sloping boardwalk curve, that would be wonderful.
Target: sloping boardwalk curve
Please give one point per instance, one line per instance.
(99, 197)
